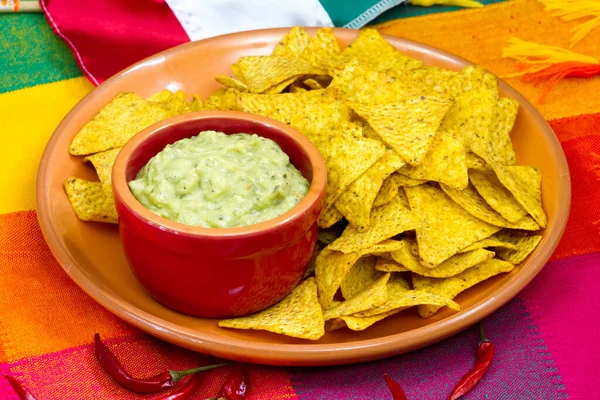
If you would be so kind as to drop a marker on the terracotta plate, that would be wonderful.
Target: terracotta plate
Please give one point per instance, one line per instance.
(92, 256)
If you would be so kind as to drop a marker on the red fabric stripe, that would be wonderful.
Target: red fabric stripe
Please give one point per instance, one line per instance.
(108, 35)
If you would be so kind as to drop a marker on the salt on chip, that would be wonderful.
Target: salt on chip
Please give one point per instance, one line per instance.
(298, 315)
(451, 287)
(471, 201)
(493, 241)
(385, 265)
(525, 184)
(505, 114)
(387, 192)
(89, 201)
(385, 222)
(116, 123)
(323, 50)
(524, 246)
(405, 181)
(361, 276)
(331, 268)
(103, 163)
(372, 296)
(445, 227)
(407, 126)
(292, 44)
(356, 202)
(496, 195)
(231, 83)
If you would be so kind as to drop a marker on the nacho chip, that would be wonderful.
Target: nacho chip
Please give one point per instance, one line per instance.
(524, 246)
(474, 161)
(312, 84)
(116, 123)
(323, 51)
(297, 88)
(405, 181)
(361, 276)
(451, 287)
(329, 235)
(387, 192)
(385, 265)
(161, 97)
(408, 126)
(89, 201)
(329, 218)
(176, 104)
(214, 100)
(446, 227)
(292, 44)
(493, 241)
(525, 184)
(356, 202)
(331, 268)
(280, 87)
(356, 323)
(298, 315)
(502, 150)
(260, 73)
(231, 83)
(103, 162)
(383, 247)
(372, 296)
(496, 195)
(451, 267)
(411, 298)
(195, 104)
(473, 203)
(385, 222)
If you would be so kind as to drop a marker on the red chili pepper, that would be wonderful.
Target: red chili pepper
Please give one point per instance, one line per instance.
(395, 388)
(485, 354)
(236, 386)
(19, 389)
(153, 384)
(186, 391)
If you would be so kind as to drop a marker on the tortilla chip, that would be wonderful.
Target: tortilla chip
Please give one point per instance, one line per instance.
(280, 87)
(177, 104)
(103, 162)
(496, 195)
(525, 184)
(323, 51)
(331, 268)
(329, 235)
(411, 298)
(372, 296)
(356, 202)
(451, 287)
(214, 100)
(405, 181)
(493, 241)
(474, 161)
(292, 44)
(446, 227)
(501, 150)
(388, 191)
(408, 126)
(116, 123)
(260, 73)
(231, 83)
(195, 104)
(451, 267)
(356, 323)
(312, 84)
(473, 203)
(297, 88)
(329, 218)
(161, 97)
(298, 315)
(524, 246)
(361, 276)
(382, 247)
(385, 222)
(385, 265)
(89, 201)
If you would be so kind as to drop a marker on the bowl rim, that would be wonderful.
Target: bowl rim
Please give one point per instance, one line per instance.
(123, 194)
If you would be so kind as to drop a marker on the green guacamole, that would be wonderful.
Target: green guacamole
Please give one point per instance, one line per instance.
(216, 180)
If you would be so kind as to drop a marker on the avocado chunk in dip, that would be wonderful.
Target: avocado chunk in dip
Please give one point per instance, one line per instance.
(215, 180)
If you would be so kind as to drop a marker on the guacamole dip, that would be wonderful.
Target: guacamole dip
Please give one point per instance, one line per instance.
(216, 180)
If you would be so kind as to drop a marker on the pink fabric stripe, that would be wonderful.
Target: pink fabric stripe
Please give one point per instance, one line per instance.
(564, 303)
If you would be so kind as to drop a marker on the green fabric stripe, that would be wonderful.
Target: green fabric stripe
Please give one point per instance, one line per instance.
(406, 11)
(344, 12)
(31, 54)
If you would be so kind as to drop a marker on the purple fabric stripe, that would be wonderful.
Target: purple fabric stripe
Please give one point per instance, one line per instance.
(522, 368)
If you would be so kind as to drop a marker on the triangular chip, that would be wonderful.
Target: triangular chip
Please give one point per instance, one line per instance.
(524, 246)
(331, 268)
(195, 104)
(176, 104)
(298, 315)
(501, 150)
(493, 241)
(451, 287)
(312, 84)
(474, 161)
(446, 227)
(410, 298)
(214, 100)
(232, 83)
(323, 51)
(292, 44)
(356, 323)
(89, 201)
(103, 162)
(372, 296)
(407, 126)
(329, 217)
(525, 184)
(385, 222)
(385, 265)
(361, 276)
(280, 87)
(496, 195)
(356, 202)
(161, 97)
(405, 181)
(387, 192)
(472, 202)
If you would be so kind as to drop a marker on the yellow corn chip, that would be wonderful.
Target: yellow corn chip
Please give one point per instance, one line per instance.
(356, 323)
(177, 104)
(496, 195)
(451, 267)
(474, 161)
(231, 83)
(408, 126)
(292, 44)
(329, 218)
(323, 51)
(328, 236)
(331, 268)
(372, 296)
(385, 222)
(280, 87)
(501, 149)
(313, 84)
(296, 88)
(214, 100)
(405, 181)
(195, 104)
(298, 315)
(319, 117)
(116, 123)
(385, 265)
(492, 241)
(103, 162)
(382, 247)
(260, 73)
(473, 203)
(446, 227)
(161, 97)
(524, 246)
(356, 202)
(388, 191)
(525, 184)
(451, 287)
(410, 298)
(361, 276)
(89, 201)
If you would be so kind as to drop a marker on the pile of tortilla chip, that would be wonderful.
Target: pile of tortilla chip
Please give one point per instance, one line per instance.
(423, 199)
(101, 139)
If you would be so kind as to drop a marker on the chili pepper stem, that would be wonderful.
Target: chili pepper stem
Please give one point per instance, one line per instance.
(482, 337)
(178, 375)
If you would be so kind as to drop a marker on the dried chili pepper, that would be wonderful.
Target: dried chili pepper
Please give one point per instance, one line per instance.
(19, 389)
(164, 380)
(186, 391)
(395, 388)
(237, 384)
(485, 354)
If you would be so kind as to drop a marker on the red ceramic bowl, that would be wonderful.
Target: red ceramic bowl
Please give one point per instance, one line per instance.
(213, 272)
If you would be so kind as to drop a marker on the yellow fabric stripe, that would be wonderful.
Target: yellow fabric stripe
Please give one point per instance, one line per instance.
(29, 117)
